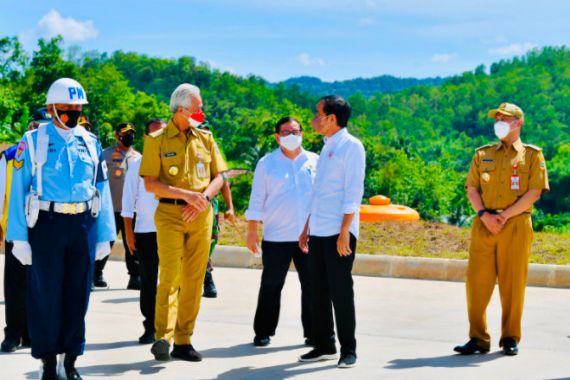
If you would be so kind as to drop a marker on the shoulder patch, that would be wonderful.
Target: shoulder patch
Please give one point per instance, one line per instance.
(157, 133)
(485, 146)
(204, 131)
(532, 147)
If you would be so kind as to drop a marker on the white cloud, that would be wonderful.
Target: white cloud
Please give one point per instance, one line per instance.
(306, 60)
(443, 58)
(53, 24)
(366, 21)
(513, 49)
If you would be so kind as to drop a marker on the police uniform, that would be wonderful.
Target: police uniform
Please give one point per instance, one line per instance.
(502, 175)
(187, 160)
(64, 239)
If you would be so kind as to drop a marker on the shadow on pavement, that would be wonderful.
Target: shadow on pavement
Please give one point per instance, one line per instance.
(447, 361)
(121, 300)
(110, 346)
(149, 367)
(282, 371)
(246, 349)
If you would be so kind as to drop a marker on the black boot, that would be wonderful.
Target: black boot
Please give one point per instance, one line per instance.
(210, 290)
(49, 368)
(69, 366)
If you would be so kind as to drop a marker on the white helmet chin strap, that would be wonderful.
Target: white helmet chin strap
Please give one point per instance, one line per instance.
(58, 119)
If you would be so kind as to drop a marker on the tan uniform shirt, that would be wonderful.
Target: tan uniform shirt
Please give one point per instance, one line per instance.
(493, 167)
(187, 160)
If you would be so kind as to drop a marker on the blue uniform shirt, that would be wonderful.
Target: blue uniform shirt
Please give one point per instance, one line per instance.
(67, 177)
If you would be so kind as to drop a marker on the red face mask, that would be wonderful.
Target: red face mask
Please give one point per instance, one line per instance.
(196, 119)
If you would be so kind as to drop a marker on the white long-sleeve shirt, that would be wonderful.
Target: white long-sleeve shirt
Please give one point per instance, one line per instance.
(280, 194)
(137, 199)
(339, 185)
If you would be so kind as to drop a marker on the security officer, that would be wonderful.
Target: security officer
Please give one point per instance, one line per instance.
(504, 181)
(118, 158)
(15, 274)
(182, 166)
(60, 219)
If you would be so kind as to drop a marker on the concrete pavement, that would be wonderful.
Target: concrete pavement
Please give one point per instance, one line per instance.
(406, 329)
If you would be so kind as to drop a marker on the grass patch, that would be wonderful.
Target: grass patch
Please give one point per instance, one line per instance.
(425, 239)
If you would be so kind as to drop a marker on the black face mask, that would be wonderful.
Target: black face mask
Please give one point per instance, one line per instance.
(128, 139)
(72, 117)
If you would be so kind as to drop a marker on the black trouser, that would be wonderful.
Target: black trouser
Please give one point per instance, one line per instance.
(147, 251)
(276, 259)
(331, 281)
(130, 260)
(15, 288)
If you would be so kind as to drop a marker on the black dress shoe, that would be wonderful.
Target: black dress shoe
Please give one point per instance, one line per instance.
(261, 341)
(510, 347)
(210, 290)
(160, 350)
(9, 345)
(471, 347)
(309, 342)
(100, 283)
(186, 352)
(69, 366)
(147, 337)
(49, 368)
(134, 283)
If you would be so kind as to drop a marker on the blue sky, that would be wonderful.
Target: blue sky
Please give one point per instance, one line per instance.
(333, 40)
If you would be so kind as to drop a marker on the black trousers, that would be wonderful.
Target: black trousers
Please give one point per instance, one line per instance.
(331, 280)
(147, 251)
(15, 289)
(276, 259)
(130, 260)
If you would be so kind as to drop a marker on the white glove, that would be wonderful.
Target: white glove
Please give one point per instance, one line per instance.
(102, 249)
(22, 251)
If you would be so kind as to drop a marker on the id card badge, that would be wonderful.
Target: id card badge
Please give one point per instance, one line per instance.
(201, 170)
(515, 182)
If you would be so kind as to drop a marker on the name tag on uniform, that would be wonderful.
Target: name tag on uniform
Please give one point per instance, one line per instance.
(515, 182)
(201, 170)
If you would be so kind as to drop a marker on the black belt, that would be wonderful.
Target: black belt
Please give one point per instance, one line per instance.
(173, 201)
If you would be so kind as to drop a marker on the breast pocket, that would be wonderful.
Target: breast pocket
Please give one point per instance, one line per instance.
(524, 175)
(172, 166)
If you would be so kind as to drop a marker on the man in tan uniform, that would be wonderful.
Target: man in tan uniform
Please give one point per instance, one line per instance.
(182, 166)
(503, 183)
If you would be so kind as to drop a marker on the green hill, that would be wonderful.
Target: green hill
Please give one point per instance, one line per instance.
(419, 141)
(385, 84)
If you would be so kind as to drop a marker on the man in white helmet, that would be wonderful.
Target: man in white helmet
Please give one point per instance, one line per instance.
(61, 219)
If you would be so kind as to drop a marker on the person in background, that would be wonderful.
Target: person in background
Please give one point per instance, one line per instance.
(142, 238)
(15, 273)
(118, 158)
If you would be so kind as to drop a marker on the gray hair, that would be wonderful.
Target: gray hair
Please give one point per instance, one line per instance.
(181, 96)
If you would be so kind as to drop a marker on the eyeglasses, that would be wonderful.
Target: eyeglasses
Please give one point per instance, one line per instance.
(296, 132)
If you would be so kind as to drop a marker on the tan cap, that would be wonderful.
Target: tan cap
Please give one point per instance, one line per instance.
(508, 109)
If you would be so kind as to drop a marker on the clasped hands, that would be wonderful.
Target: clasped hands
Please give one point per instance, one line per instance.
(494, 222)
(197, 203)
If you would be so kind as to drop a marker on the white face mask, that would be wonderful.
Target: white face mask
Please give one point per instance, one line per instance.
(291, 142)
(502, 129)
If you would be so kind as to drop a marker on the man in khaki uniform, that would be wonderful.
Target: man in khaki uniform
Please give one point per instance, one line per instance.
(503, 183)
(182, 166)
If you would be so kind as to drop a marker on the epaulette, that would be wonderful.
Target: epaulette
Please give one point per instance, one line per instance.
(485, 146)
(155, 134)
(205, 131)
(532, 147)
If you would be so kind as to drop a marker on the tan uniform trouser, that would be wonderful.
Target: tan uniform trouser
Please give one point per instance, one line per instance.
(183, 255)
(503, 256)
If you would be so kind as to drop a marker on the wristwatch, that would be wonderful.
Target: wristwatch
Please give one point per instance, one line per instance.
(481, 212)
(207, 197)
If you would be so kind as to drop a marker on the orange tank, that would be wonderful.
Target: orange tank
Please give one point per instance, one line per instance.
(380, 210)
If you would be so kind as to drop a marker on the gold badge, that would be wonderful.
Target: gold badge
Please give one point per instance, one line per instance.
(173, 170)
(486, 177)
(118, 172)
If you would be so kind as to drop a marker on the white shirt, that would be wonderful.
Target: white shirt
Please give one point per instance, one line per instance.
(280, 194)
(339, 185)
(137, 199)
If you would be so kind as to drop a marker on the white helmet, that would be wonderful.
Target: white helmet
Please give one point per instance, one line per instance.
(66, 91)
